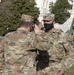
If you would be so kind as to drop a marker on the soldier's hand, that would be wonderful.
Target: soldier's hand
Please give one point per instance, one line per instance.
(2, 73)
(61, 72)
(36, 29)
(40, 25)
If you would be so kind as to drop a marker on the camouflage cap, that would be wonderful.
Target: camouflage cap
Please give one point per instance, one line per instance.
(26, 18)
(49, 17)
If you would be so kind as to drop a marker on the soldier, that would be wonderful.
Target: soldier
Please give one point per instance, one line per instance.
(18, 49)
(19, 46)
(48, 21)
(59, 48)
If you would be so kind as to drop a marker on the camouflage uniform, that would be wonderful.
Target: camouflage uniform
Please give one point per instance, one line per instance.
(19, 51)
(1, 57)
(54, 51)
(61, 54)
(68, 61)
(61, 51)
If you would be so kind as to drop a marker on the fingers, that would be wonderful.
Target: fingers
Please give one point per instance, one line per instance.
(36, 29)
(61, 72)
(40, 25)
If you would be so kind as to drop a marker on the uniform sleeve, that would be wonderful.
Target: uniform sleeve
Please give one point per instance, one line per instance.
(67, 62)
(1, 57)
(68, 43)
(40, 41)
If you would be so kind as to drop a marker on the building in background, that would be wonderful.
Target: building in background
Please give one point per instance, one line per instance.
(43, 6)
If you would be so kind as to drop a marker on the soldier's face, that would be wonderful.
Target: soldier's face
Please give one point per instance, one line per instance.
(48, 25)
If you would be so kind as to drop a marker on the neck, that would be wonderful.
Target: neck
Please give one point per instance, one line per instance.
(25, 28)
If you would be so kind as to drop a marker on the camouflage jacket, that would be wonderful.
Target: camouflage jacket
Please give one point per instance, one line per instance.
(57, 43)
(60, 52)
(18, 49)
(61, 48)
(68, 61)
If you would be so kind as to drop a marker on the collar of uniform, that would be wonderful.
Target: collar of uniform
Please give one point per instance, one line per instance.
(21, 30)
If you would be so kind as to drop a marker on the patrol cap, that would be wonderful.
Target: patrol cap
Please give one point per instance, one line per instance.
(26, 18)
(49, 17)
